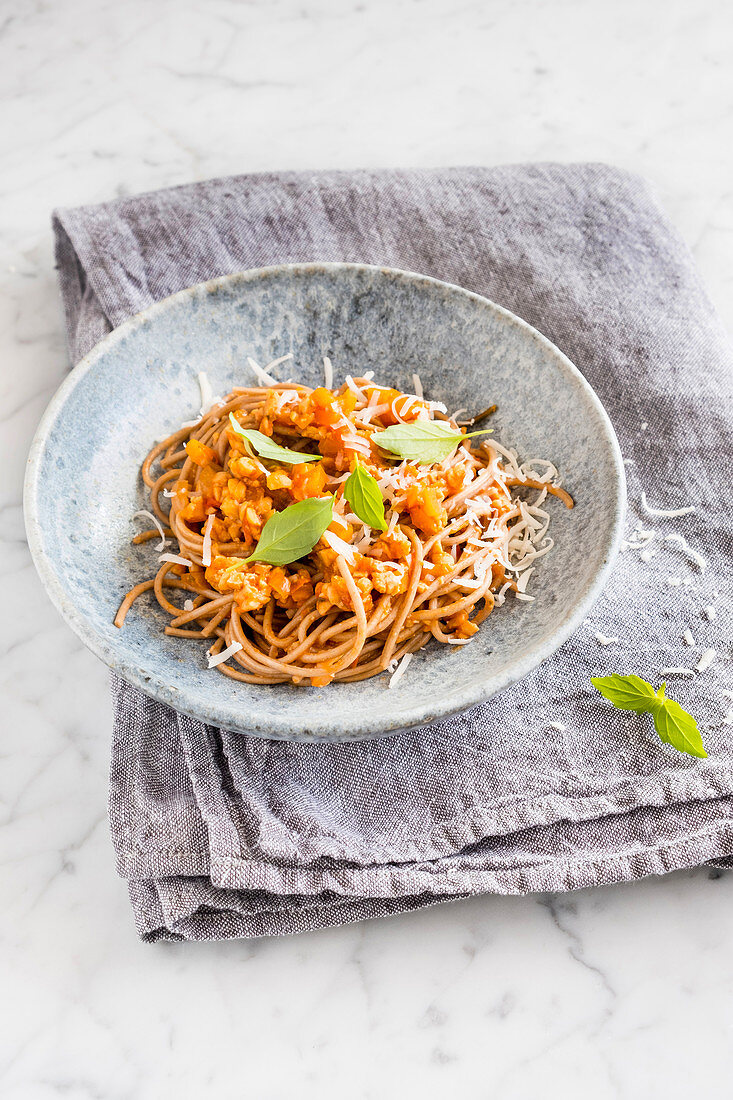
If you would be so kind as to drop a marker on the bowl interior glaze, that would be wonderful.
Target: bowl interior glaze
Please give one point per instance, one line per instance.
(139, 384)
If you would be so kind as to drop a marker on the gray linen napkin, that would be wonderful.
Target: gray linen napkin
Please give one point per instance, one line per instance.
(546, 787)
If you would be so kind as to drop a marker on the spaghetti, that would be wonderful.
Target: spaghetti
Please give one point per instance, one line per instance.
(452, 536)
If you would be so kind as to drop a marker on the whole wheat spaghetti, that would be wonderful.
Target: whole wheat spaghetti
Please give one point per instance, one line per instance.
(441, 543)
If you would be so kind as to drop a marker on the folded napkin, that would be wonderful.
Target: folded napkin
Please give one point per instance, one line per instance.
(545, 787)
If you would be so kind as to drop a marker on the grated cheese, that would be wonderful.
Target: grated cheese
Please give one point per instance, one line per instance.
(367, 414)
(188, 605)
(706, 659)
(354, 388)
(693, 554)
(604, 639)
(500, 596)
(557, 726)
(400, 670)
(156, 522)
(340, 546)
(206, 552)
(218, 658)
(669, 513)
(687, 637)
(417, 386)
(524, 579)
(709, 612)
(207, 394)
(676, 671)
(262, 376)
(276, 362)
(176, 559)
(327, 373)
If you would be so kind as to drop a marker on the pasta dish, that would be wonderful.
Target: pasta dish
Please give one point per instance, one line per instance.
(327, 534)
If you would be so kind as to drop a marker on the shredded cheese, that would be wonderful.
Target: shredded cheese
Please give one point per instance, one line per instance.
(687, 637)
(709, 612)
(417, 386)
(188, 605)
(524, 580)
(340, 546)
(262, 375)
(399, 672)
(557, 726)
(206, 552)
(706, 659)
(156, 523)
(367, 414)
(327, 373)
(176, 559)
(354, 388)
(604, 639)
(693, 554)
(676, 671)
(219, 658)
(669, 513)
(207, 394)
(276, 362)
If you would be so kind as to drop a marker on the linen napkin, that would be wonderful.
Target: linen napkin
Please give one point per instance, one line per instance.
(545, 787)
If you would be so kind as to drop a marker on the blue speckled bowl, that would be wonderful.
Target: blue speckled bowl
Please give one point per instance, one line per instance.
(83, 481)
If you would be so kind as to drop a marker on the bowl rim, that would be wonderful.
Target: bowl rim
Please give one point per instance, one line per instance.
(288, 726)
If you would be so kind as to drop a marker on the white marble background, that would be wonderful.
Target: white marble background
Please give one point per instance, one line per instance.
(622, 992)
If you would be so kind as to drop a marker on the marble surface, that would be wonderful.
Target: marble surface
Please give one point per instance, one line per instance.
(618, 992)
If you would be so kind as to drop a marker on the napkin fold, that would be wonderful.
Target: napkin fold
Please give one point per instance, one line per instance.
(545, 787)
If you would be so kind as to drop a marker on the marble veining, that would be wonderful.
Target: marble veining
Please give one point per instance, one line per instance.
(620, 992)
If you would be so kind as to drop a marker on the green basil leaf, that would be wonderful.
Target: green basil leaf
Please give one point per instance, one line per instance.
(678, 728)
(626, 692)
(267, 449)
(423, 441)
(292, 533)
(365, 497)
(673, 724)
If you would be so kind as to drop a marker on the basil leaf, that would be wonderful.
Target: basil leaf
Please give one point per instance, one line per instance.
(673, 724)
(267, 449)
(292, 533)
(423, 441)
(365, 497)
(626, 692)
(678, 728)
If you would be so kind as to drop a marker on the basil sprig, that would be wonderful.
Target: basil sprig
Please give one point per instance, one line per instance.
(364, 496)
(423, 441)
(673, 724)
(292, 533)
(267, 449)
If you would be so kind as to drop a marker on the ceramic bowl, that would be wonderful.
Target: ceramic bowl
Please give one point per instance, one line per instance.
(139, 384)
